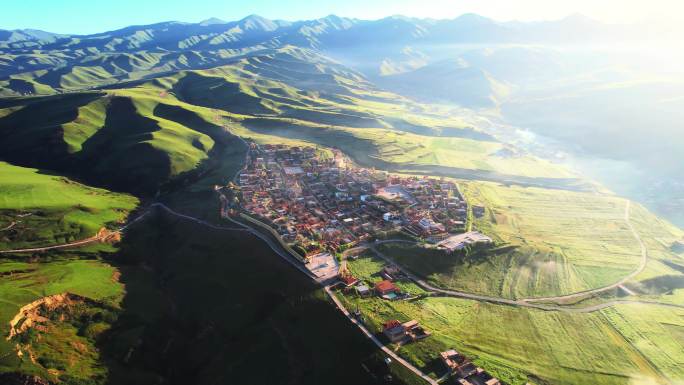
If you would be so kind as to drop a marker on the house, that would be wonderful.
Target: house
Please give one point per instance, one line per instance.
(452, 360)
(478, 211)
(386, 288)
(394, 330)
(466, 370)
(349, 280)
(407, 331)
(292, 170)
(414, 330)
(480, 377)
(363, 290)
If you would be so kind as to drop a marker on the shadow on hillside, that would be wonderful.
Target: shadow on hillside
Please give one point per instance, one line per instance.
(207, 306)
(217, 92)
(33, 136)
(119, 154)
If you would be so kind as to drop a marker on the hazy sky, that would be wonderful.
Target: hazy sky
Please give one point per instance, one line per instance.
(88, 16)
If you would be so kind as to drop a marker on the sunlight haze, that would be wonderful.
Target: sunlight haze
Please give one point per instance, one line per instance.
(97, 16)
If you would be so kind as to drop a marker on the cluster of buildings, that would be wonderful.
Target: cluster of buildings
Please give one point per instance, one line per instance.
(428, 208)
(385, 289)
(398, 332)
(318, 203)
(465, 372)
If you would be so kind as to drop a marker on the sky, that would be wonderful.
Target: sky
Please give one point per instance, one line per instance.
(90, 16)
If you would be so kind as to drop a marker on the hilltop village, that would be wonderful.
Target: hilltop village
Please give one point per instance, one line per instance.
(319, 203)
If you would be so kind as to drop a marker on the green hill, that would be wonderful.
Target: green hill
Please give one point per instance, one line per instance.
(40, 209)
(93, 126)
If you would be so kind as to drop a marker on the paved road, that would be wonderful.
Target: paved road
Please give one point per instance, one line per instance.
(376, 341)
(97, 238)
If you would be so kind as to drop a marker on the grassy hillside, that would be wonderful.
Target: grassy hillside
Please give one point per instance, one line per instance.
(24, 282)
(552, 242)
(541, 347)
(568, 241)
(663, 278)
(110, 139)
(181, 303)
(269, 96)
(38, 208)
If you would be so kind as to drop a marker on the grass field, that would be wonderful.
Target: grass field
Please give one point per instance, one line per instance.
(663, 278)
(24, 282)
(568, 241)
(195, 305)
(522, 345)
(60, 209)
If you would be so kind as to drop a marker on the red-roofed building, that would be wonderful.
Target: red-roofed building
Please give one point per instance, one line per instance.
(385, 287)
(349, 280)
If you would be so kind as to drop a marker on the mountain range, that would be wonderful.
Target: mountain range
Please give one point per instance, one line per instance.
(530, 74)
(36, 61)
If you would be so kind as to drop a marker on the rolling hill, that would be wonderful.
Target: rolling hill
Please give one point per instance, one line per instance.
(96, 126)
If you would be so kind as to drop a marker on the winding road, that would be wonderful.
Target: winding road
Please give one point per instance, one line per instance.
(531, 302)
(506, 301)
(526, 302)
(637, 271)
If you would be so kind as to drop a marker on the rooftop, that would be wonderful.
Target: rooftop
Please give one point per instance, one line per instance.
(385, 286)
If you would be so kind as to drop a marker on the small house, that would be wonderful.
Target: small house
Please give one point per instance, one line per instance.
(394, 330)
(363, 290)
(349, 280)
(452, 360)
(386, 288)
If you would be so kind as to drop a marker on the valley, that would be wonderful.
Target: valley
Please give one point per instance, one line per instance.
(196, 202)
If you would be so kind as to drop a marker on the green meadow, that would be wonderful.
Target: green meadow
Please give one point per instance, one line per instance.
(521, 345)
(548, 242)
(24, 282)
(180, 302)
(50, 209)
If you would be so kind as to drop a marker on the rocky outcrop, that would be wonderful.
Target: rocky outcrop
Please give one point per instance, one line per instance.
(29, 316)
